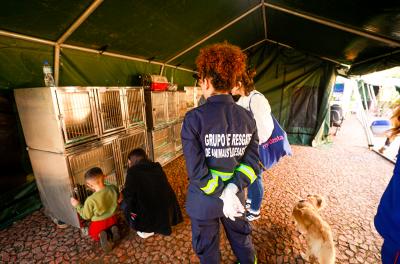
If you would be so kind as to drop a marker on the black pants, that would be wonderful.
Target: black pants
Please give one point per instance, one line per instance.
(205, 239)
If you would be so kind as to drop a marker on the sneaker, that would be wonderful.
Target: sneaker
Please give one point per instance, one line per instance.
(144, 234)
(105, 244)
(115, 233)
(252, 216)
(60, 224)
(248, 204)
(85, 231)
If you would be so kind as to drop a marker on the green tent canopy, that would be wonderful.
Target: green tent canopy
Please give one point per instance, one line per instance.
(295, 46)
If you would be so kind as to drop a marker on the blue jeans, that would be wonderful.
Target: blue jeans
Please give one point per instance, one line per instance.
(255, 193)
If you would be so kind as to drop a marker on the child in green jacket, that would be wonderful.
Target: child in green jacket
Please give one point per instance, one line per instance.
(99, 208)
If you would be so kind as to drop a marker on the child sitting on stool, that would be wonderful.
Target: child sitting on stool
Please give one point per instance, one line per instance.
(149, 202)
(99, 208)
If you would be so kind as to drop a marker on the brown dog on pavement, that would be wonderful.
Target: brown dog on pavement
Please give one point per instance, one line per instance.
(317, 232)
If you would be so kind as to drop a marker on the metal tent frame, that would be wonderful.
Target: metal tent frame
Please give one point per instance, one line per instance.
(59, 44)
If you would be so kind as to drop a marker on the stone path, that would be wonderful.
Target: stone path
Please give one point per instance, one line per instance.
(346, 173)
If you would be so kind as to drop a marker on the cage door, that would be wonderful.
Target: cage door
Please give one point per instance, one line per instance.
(110, 107)
(177, 136)
(172, 99)
(135, 107)
(77, 114)
(80, 162)
(163, 145)
(182, 104)
(159, 108)
(136, 139)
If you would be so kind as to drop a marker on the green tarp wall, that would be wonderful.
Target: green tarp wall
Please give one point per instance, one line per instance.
(298, 88)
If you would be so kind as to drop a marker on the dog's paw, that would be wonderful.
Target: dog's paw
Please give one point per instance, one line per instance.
(304, 256)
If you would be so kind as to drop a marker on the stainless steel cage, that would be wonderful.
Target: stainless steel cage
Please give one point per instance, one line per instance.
(177, 127)
(125, 144)
(67, 130)
(182, 104)
(189, 96)
(77, 113)
(102, 156)
(172, 99)
(197, 94)
(110, 108)
(156, 109)
(163, 145)
(135, 106)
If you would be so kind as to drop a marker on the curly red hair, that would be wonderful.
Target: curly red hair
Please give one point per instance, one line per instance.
(223, 63)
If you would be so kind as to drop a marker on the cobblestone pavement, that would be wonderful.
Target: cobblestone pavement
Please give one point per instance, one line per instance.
(346, 173)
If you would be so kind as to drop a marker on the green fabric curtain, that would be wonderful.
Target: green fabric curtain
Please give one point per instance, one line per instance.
(182, 78)
(22, 62)
(18, 203)
(298, 88)
(89, 69)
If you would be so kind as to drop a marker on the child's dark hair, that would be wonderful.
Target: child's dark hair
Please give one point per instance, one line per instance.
(93, 173)
(137, 155)
(247, 81)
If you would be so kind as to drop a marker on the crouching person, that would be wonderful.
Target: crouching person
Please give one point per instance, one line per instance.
(100, 208)
(149, 202)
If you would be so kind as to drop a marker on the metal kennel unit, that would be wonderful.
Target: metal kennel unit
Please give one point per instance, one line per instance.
(136, 138)
(177, 127)
(156, 109)
(163, 145)
(189, 91)
(182, 104)
(54, 119)
(134, 107)
(197, 94)
(172, 102)
(103, 155)
(69, 130)
(111, 109)
(193, 94)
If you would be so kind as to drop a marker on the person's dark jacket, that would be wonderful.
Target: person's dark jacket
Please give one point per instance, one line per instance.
(148, 194)
(387, 219)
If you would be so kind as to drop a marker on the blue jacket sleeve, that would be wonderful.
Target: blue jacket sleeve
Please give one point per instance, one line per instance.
(248, 170)
(198, 172)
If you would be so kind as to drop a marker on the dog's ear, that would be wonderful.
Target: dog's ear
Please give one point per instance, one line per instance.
(319, 201)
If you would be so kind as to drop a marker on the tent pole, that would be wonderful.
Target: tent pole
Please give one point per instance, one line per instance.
(321, 57)
(376, 57)
(162, 69)
(25, 37)
(116, 55)
(214, 33)
(52, 43)
(255, 44)
(329, 23)
(56, 64)
(264, 19)
(79, 21)
(364, 96)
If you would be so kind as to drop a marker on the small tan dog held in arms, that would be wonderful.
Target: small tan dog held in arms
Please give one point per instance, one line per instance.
(317, 232)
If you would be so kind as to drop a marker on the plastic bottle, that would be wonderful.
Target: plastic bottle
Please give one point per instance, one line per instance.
(48, 74)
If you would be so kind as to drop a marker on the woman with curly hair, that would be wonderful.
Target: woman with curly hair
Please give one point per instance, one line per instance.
(220, 145)
(258, 105)
(387, 219)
